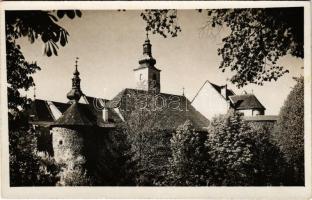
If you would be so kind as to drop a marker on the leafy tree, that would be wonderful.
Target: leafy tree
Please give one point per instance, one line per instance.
(230, 144)
(34, 25)
(163, 22)
(27, 167)
(257, 38)
(149, 146)
(290, 130)
(114, 165)
(268, 161)
(242, 154)
(189, 163)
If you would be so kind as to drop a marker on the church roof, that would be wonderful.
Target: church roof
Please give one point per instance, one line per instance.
(173, 110)
(246, 101)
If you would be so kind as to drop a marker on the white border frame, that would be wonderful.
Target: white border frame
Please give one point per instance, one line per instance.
(156, 192)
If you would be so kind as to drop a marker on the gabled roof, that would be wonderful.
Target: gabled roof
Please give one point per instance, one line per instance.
(246, 101)
(218, 88)
(173, 109)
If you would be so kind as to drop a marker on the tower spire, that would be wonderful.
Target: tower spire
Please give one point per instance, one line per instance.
(147, 57)
(75, 93)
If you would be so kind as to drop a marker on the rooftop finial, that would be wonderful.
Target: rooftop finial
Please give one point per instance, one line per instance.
(183, 91)
(76, 63)
(34, 91)
(147, 35)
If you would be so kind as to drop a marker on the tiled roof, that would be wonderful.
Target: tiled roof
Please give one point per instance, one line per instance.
(39, 111)
(77, 115)
(229, 92)
(42, 115)
(246, 101)
(173, 109)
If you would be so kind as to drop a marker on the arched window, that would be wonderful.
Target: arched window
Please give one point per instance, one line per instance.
(141, 77)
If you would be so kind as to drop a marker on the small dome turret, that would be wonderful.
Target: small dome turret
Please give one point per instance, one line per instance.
(75, 93)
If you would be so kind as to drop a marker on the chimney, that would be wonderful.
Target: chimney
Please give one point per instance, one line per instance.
(105, 114)
(104, 111)
(223, 91)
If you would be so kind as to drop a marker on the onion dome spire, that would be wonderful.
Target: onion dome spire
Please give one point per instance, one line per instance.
(147, 52)
(75, 93)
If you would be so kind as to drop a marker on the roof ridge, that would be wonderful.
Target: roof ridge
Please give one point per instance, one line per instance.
(200, 90)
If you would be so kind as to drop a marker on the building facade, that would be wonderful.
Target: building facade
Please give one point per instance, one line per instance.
(212, 100)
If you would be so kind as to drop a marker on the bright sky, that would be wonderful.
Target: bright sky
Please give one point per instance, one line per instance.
(109, 44)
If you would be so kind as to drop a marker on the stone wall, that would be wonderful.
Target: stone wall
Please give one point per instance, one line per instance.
(67, 144)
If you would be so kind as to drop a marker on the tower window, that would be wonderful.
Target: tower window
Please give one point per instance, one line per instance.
(141, 77)
(60, 142)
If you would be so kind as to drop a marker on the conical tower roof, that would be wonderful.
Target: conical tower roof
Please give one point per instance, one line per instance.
(76, 115)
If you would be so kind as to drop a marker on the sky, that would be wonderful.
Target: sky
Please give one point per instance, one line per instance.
(109, 45)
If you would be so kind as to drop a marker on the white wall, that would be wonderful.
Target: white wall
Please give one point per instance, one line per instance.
(143, 83)
(246, 112)
(209, 102)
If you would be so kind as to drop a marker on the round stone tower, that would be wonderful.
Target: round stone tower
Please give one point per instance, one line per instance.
(68, 137)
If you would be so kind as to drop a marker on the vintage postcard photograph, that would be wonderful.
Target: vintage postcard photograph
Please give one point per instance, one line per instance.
(156, 100)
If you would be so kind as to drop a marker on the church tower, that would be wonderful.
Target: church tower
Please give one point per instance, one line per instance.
(147, 76)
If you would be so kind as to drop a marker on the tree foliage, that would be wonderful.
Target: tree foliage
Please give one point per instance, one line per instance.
(114, 164)
(27, 166)
(189, 162)
(33, 25)
(257, 38)
(242, 154)
(290, 129)
(163, 22)
(229, 139)
(149, 146)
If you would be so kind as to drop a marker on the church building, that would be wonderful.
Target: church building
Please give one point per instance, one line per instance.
(83, 110)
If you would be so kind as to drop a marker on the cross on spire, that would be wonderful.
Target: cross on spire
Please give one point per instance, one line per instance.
(76, 63)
